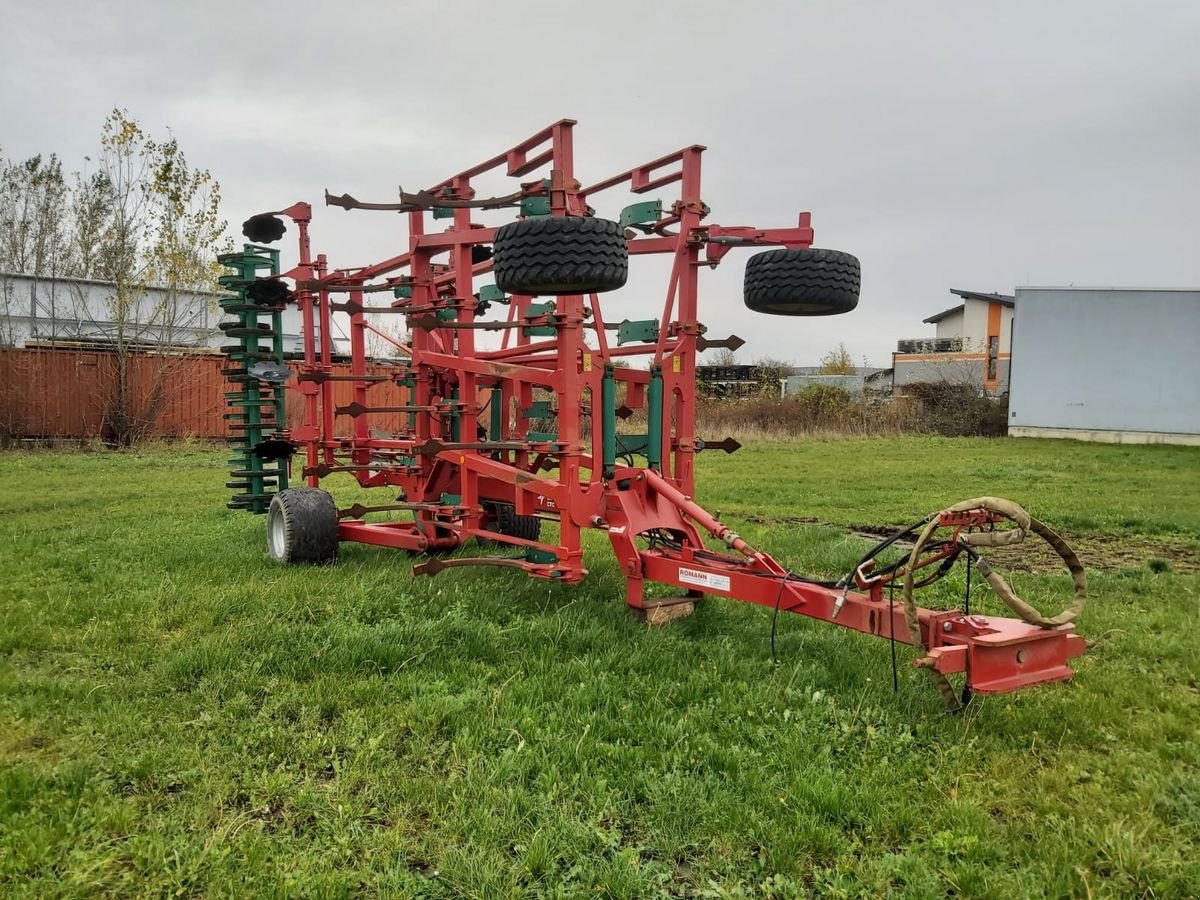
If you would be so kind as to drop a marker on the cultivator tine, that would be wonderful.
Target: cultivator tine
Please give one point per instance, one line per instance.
(323, 470)
(432, 447)
(733, 342)
(356, 409)
(424, 200)
(357, 511)
(353, 307)
(429, 323)
(322, 377)
(729, 445)
(436, 565)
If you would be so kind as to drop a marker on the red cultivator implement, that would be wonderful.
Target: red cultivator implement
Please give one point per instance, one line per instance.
(521, 395)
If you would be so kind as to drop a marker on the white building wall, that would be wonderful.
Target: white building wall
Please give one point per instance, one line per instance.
(971, 324)
(1106, 363)
(975, 317)
(950, 327)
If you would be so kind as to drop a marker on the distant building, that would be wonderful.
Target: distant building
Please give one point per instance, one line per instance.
(41, 311)
(971, 344)
(863, 380)
(1106, 364)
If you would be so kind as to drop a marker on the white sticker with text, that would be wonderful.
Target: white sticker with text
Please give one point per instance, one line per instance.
(704, 579)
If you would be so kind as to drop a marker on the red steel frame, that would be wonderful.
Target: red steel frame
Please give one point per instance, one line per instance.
(443, 478)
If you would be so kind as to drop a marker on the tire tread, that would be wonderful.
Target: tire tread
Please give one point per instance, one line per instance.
(560, 255)
(802, 282)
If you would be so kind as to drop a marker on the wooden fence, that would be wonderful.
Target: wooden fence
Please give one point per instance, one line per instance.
(60, 394)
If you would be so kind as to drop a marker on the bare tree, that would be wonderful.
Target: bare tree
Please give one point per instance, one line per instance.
(33, 200)
(149, 225)
(722, 357)
(32, 225)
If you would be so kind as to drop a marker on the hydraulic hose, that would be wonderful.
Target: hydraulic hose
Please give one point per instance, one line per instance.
(970, 540)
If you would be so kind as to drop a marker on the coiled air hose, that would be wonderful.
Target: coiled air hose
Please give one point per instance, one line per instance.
(970, 540)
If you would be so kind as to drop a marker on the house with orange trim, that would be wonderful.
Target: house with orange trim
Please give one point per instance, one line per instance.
(971, 344)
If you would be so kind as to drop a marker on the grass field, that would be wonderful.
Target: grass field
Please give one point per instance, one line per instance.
(180, 716)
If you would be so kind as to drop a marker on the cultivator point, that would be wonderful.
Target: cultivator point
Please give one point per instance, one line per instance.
(525, 405)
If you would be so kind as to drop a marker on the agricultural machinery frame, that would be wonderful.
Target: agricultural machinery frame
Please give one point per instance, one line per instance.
(536, 423)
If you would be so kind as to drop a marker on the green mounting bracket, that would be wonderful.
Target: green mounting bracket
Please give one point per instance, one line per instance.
(608, 420)
(633, 443)
(455, 417)
(540, 309)
(541, 557)
(644, 213)
(654, 418)
(451, 500)
(443, 212)
(447, 315)
(532, 207)
(542, 437)
(539, 409)
(496, 405)
(409, 383)
(642, 331)
(403, 291)
(491, 293)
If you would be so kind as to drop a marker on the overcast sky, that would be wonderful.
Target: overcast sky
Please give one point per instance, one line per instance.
(946, 144)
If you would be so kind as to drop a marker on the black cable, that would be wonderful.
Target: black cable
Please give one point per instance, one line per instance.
(879, 548)
(625, 453)
(939, 573)
(892, 636)
(775, 616)
(789, 576)
(966, 691)
(967, 594)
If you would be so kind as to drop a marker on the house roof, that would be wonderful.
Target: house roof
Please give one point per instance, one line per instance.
(1003, 299)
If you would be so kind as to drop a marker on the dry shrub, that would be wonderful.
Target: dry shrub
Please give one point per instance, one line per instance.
(817, 410)
(827, 411)
(959, 410)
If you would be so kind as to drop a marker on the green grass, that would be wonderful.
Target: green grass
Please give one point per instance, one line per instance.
(179, 716)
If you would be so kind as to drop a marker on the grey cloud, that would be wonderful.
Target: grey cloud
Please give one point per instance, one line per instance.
(945, 143)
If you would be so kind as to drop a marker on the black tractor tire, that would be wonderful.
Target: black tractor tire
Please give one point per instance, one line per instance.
(802, 282)
(560, 255)
(302, 527)
(502, 517)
